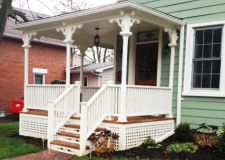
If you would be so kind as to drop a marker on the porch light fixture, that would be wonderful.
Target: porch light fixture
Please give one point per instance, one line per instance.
(97, 38)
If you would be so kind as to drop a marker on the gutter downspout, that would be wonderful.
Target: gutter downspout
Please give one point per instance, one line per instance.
(180, 75)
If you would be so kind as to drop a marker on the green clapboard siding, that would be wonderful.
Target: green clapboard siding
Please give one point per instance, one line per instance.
(195, 110)
(188, 10)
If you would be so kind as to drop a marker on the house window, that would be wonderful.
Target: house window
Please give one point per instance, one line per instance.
(38, 79)
(39, 75)
(204, 73)
(207, 57)
(85, 81)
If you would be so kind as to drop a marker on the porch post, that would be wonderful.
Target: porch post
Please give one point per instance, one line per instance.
(68, 32)
(173, 43)
(26, 38)
(125, 22)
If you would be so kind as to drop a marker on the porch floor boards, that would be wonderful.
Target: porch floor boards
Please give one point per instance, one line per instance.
(130, 120)
(37, 112)
(139, 119)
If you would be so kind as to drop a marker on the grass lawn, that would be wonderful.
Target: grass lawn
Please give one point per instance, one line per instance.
(12, 145)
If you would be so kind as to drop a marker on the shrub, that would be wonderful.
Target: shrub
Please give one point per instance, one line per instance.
(151, 143)
(183, 132)
(205, 135)
(103, 142)
(182, 148)
(220, 144)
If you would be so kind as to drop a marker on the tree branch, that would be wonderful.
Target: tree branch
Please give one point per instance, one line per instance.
(4, 13)
(15, 13)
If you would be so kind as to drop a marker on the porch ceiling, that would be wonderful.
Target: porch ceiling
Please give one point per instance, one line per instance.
(98, 17)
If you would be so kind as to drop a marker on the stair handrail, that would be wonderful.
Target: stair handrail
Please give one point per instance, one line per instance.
(100, 99)
(61, 109)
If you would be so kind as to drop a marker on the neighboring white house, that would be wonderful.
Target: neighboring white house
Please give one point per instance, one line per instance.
(94, 74)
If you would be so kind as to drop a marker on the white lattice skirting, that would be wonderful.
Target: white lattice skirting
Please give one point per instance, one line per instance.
(133, 135)
(130, 135)
(33, 126)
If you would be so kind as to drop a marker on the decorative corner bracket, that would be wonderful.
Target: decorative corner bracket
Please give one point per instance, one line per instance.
(172, 37)
(125, 21)
(26, 38)
(68, 32)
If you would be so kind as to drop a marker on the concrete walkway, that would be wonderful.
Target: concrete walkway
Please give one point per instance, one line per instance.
(44, 155)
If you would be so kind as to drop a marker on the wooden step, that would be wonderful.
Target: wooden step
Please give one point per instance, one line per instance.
(75, 117)
(68, 134)
(67, 144)
(99, 129)
(75, 126)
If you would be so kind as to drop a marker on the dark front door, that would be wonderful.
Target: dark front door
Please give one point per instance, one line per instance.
(146, 64)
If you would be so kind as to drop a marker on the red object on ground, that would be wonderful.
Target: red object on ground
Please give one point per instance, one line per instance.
(17, 106)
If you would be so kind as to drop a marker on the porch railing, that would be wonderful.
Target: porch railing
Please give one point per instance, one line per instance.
(146, 100)
(39, 95)
(60, 110)
(88, 92)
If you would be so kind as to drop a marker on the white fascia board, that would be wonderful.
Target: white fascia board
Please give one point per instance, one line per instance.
(110, 7)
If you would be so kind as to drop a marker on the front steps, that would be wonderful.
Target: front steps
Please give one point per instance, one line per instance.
(67, 140)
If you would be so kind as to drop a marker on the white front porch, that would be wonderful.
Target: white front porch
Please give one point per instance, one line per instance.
(60, 103)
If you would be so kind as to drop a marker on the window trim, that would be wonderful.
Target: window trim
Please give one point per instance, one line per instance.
(187, 88)
(40, 71)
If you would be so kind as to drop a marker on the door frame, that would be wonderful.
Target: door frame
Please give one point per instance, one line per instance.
(159, 63)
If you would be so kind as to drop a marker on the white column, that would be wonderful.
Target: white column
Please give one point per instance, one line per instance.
(173, 43)
(125, 22)
(123, 105)
(68, 32)
(180, 75)
(27, 37)
(68, 62)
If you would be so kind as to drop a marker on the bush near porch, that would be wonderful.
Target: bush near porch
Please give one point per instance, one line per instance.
(13, 145)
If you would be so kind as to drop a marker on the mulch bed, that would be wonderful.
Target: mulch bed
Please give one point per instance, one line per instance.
(145, 153)
(9, 118)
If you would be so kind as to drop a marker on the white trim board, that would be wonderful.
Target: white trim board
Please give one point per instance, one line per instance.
(40, 71)
(187, 90)
(96, 10)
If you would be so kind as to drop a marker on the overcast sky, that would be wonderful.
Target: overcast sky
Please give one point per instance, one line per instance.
(47, 6)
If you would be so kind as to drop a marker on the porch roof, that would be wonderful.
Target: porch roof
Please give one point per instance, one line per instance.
(100, 13)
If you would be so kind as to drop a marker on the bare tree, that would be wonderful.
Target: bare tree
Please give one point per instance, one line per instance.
(101, 55)
(65, 6)
(6, 11)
